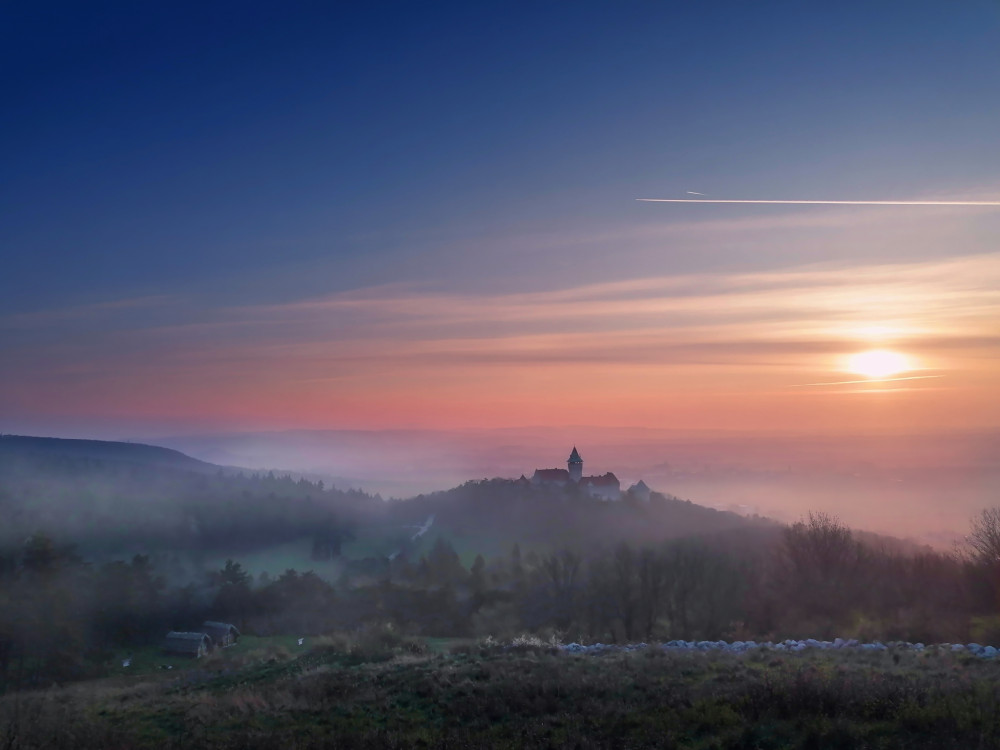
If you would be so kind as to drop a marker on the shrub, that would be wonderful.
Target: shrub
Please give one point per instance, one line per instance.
(378, 640)
(336, 643)
(986, 630)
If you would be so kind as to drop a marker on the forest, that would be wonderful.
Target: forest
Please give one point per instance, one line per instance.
(115, 558)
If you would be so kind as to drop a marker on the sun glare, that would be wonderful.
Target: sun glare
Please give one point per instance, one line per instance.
(878, 363)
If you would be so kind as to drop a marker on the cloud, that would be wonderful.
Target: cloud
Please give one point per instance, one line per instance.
(926, 297)
(795, 310)
(866, 381)
(737, 339)
(110, 308)
(825, 203)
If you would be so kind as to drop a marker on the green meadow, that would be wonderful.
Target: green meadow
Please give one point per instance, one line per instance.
(375, 541)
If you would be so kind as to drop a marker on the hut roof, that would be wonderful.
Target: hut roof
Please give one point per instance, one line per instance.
(221, 628)
(214, 624)
(185, 643)
(177, 636)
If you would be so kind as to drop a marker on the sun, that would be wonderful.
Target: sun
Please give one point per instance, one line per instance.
(878, 363)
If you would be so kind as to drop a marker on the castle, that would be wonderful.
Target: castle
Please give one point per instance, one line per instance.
(605, 487)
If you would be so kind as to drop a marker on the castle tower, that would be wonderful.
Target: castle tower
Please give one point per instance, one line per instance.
(575, 466)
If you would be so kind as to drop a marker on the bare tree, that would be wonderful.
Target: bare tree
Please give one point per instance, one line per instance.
(820, 546)
(702, 590)
(652, 588)
(624, 568)
(984, 537)
(561, 570)
(820, 567)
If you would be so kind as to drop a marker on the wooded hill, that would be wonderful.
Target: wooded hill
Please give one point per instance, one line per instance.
(107, 497)
(127, 498)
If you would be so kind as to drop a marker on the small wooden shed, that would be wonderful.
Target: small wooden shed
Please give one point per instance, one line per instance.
(222, 633)
(187, 644)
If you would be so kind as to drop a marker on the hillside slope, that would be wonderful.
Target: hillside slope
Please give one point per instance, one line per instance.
(122, 497)
(489, 516)
(25, 447)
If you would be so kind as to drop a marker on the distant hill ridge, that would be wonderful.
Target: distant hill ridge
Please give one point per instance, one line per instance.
(110, 498)
(102, 450)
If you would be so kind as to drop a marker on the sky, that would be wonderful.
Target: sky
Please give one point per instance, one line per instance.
(222, 217)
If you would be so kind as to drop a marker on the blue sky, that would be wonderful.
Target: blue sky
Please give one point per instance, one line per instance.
(149, 143)
(166, 164)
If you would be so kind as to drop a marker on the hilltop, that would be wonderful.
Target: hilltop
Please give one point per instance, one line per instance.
(113, 497)
(490, 515)
(24, 447)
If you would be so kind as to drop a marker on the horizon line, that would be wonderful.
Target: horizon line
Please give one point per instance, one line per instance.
(813, 202)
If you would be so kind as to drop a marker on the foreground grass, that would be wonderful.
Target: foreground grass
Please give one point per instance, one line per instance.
(151, 660)
(340, 696)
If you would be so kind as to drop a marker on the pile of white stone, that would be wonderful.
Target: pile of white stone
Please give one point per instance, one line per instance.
(742, 647)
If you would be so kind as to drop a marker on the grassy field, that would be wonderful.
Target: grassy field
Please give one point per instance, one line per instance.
(371, 541)
(388, 692)
(295, 555)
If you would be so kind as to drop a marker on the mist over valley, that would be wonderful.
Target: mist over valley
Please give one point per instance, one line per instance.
(889, 483)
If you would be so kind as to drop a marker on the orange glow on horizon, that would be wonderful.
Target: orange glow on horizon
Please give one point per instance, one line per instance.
(724, 351)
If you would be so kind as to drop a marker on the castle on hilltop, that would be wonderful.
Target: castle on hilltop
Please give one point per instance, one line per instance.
(604, 487)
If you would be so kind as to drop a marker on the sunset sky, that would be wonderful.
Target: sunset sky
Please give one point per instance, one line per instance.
(331, 215)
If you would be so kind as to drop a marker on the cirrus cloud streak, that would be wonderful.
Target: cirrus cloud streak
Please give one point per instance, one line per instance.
(822, 203)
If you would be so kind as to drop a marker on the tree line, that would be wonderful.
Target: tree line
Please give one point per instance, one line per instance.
(62, 618)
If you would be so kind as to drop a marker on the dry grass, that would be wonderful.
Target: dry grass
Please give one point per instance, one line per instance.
(531, 696)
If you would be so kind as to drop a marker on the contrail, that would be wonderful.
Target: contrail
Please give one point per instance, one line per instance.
(689, 192)
(869, 381)
(826, 203)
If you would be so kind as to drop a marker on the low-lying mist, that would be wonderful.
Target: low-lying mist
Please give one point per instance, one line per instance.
(920, 486)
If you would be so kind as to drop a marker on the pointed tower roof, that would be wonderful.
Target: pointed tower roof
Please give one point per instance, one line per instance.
(574, 457)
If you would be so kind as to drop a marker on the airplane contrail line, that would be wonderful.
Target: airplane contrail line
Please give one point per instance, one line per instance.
(867, 381)
(827, 203)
